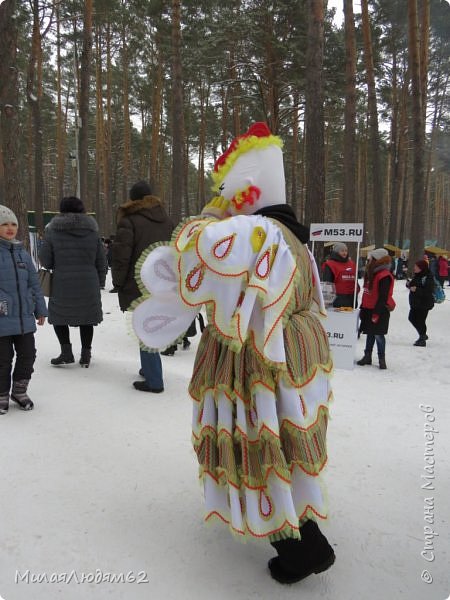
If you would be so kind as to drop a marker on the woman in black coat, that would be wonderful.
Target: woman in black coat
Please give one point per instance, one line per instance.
(421, 299)
(73, 250)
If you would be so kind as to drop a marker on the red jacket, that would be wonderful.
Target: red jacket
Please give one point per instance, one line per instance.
(442, 266)
(344, 275)
(370, 297)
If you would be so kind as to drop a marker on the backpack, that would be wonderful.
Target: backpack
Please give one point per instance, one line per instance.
(438, 292)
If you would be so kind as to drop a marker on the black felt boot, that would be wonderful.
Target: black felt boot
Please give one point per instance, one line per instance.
(66, 357)
(422, 341)
(85, 359)
(170, 351)
(4, 402)
(382, 362)
(365, 360)
(19, 394)
(298, 559)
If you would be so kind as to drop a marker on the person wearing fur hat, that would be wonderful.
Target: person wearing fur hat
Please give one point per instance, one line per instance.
(376, 305)
(22, 304)
(260, 383)
(73, 250)
(341, 270)
(141, 221)
(421, 299)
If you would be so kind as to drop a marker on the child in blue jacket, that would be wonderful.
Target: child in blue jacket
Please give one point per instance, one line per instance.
(21, 305)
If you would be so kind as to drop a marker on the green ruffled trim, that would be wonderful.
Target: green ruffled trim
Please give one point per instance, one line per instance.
(235, 460)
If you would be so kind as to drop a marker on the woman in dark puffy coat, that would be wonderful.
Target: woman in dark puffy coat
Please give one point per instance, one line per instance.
(376, 304)
(421, 299)
(73, 250)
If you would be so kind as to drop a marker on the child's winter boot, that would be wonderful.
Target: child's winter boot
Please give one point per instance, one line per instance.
(20, 396)
(4, 402)
(66, 357)
(382, 362)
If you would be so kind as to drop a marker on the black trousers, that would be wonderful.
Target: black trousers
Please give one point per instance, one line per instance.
(86, 335)
(25, 350)
(417, 317)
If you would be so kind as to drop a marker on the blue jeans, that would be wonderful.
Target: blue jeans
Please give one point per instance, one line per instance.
(370, 342)
(152, 369)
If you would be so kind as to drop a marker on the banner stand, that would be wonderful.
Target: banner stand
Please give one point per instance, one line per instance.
(341, 326)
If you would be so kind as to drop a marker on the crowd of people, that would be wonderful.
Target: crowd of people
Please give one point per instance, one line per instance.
(245, 258)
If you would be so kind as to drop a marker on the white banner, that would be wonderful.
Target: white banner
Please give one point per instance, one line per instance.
(336, 232)
(341, 328)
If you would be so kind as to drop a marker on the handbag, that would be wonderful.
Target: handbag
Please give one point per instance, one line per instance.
(45, 279)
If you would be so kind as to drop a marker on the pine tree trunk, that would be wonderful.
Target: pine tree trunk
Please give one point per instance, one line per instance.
(9, 123)
(34, 95)
(374, 135)
(177, 114)
(349, 208)
(314, 116)
(418, 138)
(85, 68)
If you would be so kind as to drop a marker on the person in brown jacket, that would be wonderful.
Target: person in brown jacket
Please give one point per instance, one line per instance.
(141, 221)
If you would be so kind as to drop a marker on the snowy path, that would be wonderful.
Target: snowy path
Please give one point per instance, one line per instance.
(102, 479)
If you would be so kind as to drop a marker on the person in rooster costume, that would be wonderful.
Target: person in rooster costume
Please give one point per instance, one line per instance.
(260, 384)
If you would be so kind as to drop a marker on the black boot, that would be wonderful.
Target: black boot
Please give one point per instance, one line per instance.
(142, 386)
(4, 402)
(170, 351)
(66, 357)
(85, 359)
(298, 559)
(422, 341)
(382, 362)
(20, 396)
(365, 360)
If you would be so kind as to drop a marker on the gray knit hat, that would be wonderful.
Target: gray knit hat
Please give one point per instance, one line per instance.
(378, 253)
(339, 247)
(7, 216)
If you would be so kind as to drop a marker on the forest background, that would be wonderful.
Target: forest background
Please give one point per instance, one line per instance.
(97, 94)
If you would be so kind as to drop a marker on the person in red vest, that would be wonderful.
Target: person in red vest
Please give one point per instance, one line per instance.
(442, 269)
(341, 270)
(376, 304)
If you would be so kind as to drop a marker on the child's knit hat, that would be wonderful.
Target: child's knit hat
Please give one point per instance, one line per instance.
(7, 216)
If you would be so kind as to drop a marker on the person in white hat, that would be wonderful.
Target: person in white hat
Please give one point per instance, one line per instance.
(260, 381)
(376, 305)
(22, 304)
(340, 270)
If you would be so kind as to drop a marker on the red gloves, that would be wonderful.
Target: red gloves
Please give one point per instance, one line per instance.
(375, 318)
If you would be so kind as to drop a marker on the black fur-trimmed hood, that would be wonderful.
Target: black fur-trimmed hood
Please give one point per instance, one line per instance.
(75, 223)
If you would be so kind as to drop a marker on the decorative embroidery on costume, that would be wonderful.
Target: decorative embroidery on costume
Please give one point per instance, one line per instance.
(257, 239)
(193, 229)
(164, 271)
(222, 248)
(303, 407)
(265, 505)
(249, 195)
(153, 324)
(253, 417)
(195, 277)
(262, 269)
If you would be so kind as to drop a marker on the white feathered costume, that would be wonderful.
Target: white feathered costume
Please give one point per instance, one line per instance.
(260, 384)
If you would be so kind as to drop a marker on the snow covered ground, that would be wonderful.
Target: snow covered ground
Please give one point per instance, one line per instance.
(101, 479)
